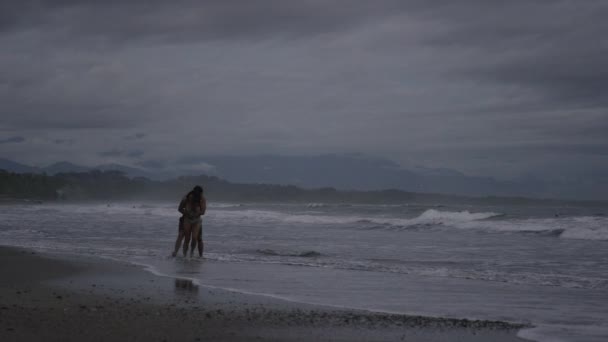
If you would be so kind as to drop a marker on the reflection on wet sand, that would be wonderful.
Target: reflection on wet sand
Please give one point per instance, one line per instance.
(185, 286)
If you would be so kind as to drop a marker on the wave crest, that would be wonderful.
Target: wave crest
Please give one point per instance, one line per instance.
(439, 217)
(578, 228)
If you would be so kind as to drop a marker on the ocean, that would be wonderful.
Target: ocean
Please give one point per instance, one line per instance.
(542, 264)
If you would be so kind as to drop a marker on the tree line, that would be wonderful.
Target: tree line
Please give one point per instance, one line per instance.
(116, 185)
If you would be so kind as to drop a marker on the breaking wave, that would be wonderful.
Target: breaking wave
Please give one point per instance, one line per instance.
(579, 228)
(429, 217)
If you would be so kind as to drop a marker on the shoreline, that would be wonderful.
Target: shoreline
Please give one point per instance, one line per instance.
(59, 298)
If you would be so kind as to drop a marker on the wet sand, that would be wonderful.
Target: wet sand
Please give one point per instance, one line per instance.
(58, 298)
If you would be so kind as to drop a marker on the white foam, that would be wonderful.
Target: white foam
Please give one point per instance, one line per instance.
(565, 333)
(221, 205)
(582, 227)
(433, 216)
(429, 217)
(315, 205)
(113, 209)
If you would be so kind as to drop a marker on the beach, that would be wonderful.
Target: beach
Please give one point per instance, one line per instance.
(61, 298)
(316, 271)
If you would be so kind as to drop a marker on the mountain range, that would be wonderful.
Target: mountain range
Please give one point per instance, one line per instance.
(340, 171)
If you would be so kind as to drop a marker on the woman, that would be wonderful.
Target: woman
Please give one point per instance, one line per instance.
(193, 206)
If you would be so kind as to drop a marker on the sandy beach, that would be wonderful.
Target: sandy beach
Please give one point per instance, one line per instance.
(56, 298)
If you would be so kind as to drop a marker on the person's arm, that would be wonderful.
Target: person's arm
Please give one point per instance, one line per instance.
(182, 206)
(203, 205)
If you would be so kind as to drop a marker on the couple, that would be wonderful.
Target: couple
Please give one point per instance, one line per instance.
(192, 207)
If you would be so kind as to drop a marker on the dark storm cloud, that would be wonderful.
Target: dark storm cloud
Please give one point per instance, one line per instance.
(136, 136)
(152, 164)
(555, 47)
(61, 116)
(384, 77)
(64, 141)
(12, 140)
(135, 154)
(564, 76)
(188, 160)
(122, 153)
(111, 153)
(192, 20)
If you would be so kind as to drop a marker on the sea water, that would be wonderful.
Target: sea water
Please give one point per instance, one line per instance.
(544, 264)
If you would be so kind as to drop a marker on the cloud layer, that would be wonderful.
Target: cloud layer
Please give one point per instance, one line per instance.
(487, 87)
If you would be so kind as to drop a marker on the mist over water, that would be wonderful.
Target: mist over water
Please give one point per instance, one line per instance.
(546, 265)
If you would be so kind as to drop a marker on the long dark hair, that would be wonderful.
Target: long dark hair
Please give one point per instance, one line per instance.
(196, 195)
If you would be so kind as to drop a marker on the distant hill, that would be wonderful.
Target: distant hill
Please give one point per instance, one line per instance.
(12, 166)
(116, 186)
(357, 172)
(345, 172)
(68, 167)
(130, 171)
(64, 167)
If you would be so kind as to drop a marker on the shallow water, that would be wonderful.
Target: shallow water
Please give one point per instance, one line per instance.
(545, 265)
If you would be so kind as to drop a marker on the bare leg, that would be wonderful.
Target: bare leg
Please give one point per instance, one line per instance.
(178, 242)
(196, 228)
(180, 237)
(187, 236)
(200, 242)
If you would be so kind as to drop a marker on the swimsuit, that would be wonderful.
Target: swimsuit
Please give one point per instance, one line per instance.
(194, 219)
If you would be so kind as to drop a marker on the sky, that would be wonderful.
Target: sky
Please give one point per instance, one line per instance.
(495, 88)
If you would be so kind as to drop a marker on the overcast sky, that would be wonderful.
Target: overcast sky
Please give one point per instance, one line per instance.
(487, 87)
